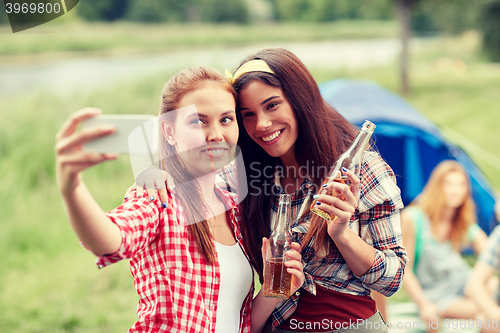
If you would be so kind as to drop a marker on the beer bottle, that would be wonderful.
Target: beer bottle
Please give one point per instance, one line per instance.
(277, 281)
(351, 160)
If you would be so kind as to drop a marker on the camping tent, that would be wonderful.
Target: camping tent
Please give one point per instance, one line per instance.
(409, 142)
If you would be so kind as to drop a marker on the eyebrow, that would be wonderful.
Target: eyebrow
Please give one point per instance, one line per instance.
(201, 115)
(263, 102)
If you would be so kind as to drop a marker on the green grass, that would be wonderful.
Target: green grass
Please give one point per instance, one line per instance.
(126, 37)
(48, 283)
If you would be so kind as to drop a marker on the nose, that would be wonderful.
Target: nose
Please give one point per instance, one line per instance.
(263, 123)
(214, 133)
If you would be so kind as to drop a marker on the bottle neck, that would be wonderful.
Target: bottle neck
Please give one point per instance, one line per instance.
(351, 158)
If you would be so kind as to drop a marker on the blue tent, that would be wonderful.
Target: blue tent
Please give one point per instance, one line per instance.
(409, 142)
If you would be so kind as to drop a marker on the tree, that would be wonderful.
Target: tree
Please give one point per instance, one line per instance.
(490, 27)
(404, 10)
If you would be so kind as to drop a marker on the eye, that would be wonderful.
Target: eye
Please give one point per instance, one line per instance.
(247, 114)
(227, 120)
(271, 106)
(196, 122)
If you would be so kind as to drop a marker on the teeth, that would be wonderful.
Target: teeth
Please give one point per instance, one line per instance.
(214, 152)
(272, 136)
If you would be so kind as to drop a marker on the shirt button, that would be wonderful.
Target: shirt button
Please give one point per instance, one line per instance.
(100, 266)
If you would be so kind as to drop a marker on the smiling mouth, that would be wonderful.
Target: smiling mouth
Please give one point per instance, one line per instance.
(214, 152)
(272, 136)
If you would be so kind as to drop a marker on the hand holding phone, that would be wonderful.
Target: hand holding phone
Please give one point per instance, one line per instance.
(70, 158)
(135, 134)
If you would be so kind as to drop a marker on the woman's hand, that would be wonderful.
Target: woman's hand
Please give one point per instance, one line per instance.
(294, 264)
(429, 312)
(262, 307)
(342, 203)
(152, 179)
(71, 160)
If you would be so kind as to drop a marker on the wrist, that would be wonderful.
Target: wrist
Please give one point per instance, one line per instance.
(271, 302)
(424, 303)
(69, 189)
(341, 237)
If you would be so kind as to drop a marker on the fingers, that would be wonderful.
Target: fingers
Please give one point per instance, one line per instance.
(336, 206)
(140, 191)
(163, 196)
(265, 244)
(344, 199)
(294, 253)
(82, 160)
(152, 179)
(159, 184)
(295, 266)
(76, 139)
(355, 181)
(129, 190)
(71, 124)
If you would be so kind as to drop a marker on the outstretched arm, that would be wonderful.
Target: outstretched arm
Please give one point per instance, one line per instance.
(92, 226)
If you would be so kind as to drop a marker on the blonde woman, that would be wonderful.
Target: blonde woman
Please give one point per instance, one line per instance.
(436, 226)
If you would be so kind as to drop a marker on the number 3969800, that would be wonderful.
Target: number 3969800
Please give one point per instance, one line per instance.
(32, 8)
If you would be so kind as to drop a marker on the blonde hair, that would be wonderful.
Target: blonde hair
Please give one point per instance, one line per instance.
(432, 201)
(180, 84)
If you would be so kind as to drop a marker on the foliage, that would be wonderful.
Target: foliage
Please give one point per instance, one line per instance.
(3, 15)
(327, 10)
(450, 16)
(103, 10)
(153, 11)
(224, 11)
(490, 27)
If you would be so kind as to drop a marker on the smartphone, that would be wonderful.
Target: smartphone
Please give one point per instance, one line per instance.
(135, 134)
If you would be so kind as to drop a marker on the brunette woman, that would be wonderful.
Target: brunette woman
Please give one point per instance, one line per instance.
(290, 137)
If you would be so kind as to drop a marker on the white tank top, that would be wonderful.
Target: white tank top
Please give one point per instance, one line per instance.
(235, 283)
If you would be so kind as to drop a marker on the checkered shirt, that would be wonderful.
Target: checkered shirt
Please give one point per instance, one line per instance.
(491, 252)
(376, 220)
(178, 290)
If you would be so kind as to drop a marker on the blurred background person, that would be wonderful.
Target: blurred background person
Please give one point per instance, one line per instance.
(436, 226)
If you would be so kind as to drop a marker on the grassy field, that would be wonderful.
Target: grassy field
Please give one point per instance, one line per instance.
(48, 283)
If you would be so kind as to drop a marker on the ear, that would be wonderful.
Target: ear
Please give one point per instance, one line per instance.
(169, 133)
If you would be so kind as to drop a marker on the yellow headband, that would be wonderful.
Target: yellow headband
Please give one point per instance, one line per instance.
(257, 65)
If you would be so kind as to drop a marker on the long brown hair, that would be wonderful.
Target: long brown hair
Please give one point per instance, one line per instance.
(432, 201)
(323, 135)
(183, 82)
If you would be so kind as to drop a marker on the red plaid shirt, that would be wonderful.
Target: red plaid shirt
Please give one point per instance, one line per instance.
(178, 290)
